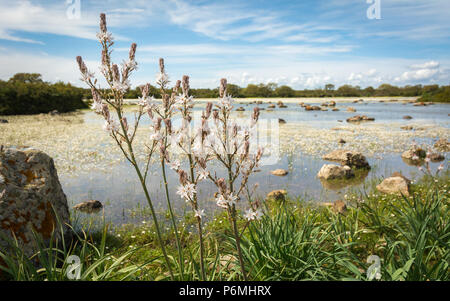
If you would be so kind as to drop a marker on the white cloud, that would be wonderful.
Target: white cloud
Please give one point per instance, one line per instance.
(421, 72)
(427, 65)
(24, 16)
(52, 68)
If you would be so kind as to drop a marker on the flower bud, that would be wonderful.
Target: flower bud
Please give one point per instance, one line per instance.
(221, 183)
(255, 115)
(183, 176)
(223, 87)
(185, 85)
(125, 123)
(132, 53)
(158, 124)
(105, 111)
(116, 74)
(161, 65)
(208, 110)
(166, 101)
(164, 153)
(103, 23)
(81, 65)
(177, 86)
(104, 58)
(150, 112)
(168, 124)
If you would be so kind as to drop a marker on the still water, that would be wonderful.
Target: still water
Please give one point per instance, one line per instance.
(304, 138)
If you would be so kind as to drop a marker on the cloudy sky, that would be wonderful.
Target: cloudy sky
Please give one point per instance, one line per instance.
(303, 43)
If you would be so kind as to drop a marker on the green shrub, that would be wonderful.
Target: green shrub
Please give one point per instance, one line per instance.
(28, 94)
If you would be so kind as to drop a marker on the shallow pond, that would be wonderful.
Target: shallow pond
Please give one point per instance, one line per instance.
(90, 166)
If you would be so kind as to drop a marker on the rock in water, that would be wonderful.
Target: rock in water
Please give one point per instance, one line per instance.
(30, 195)
(91, 206)
(435, 157)
(414, 155)
(332, 171)
(360, 118)
(346, 157)
(396, 184)
(279, 172)
(277, 195)
(442, 145)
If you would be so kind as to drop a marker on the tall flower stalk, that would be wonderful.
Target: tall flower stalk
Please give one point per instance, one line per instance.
(119, 129)
(226, 142)
(163, 115)
(232, 150)
(192, 146)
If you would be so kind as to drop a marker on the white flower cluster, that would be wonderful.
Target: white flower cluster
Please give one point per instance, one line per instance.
(226, 201)
(111, 126)
(226, 102)
(162, 79)
(105, 37)
(121, 87)
(187, 191)
(251, 214)
(182, 101)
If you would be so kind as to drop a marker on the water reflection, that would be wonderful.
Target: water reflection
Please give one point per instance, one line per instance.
(358, 179)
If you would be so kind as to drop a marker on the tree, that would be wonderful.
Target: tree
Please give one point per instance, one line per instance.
(329, 87)
(28, 94)
(26, 78)
(284, 91)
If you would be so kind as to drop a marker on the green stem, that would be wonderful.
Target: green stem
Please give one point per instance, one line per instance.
(172, 216)
(234, 224)
(147, 195)
(199, 222)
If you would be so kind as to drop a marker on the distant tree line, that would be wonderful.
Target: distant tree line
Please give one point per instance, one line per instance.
(273, 90)
(27, 93)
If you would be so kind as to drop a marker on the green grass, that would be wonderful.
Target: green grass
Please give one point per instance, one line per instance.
(296, 240)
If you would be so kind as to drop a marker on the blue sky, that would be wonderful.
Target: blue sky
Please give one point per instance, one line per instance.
(304, 44)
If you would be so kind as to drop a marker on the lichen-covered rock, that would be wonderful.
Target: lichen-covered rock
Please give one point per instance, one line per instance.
(442, 145)
(414, 154)
(279, 172)
(346, 157)
(30, 194)
(277, 195)
(359, 118)
(91, 206)
(396, 184)
(331, 172)
(435, 157)
(337, 206)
